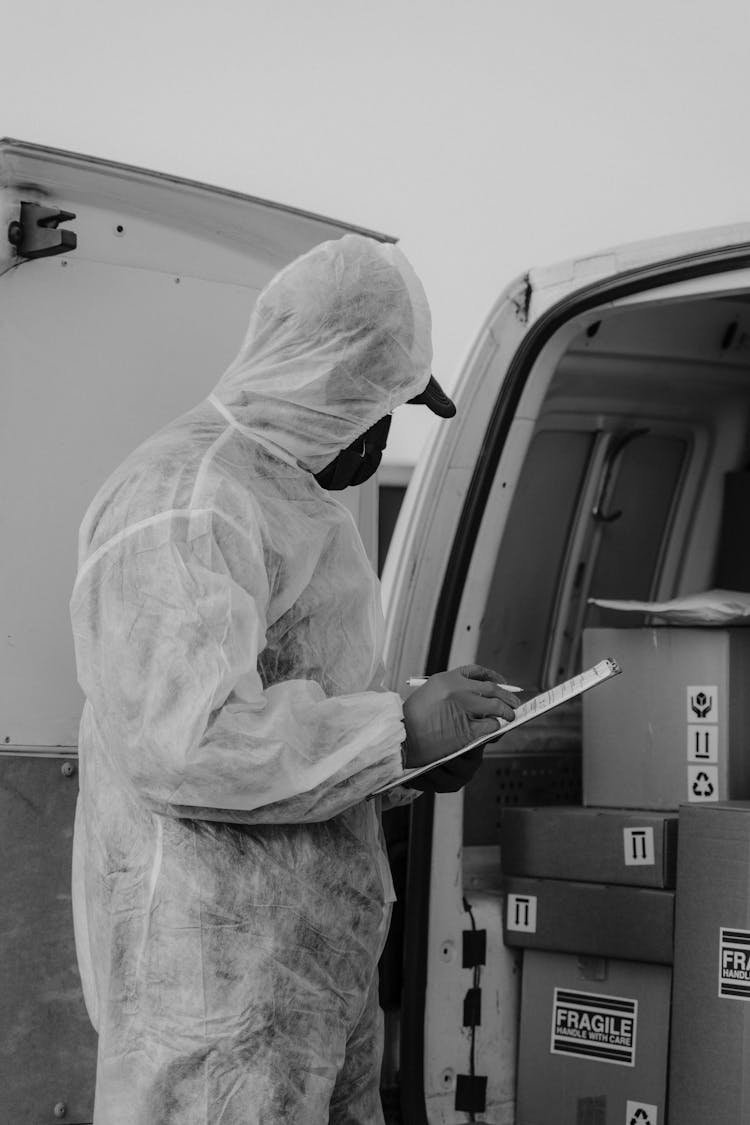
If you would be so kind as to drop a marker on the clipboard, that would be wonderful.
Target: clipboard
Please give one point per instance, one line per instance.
(547, 700)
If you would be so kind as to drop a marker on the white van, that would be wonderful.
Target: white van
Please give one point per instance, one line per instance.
(599, 411)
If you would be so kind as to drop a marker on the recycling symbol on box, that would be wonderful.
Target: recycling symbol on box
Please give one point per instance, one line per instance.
(638, 1113)
(702, 786)
(703, 783)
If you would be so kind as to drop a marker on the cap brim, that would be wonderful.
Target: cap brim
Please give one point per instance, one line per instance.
(436, 399)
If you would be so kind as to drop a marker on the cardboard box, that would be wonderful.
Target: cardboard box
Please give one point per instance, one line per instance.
(675, 726)
(597, 919)
(709, 1059)
(593, 1044)
(600, 845)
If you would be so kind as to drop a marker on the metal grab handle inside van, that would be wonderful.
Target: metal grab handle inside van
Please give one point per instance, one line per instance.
(614, 452)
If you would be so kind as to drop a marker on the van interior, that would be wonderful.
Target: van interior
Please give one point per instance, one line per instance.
(636, 485)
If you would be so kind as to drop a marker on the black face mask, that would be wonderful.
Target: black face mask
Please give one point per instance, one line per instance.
(356, 464)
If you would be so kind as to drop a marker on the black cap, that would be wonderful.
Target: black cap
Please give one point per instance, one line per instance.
(435, 397)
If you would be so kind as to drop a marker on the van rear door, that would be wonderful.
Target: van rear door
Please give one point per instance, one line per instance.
(599, 412)
(123, 296)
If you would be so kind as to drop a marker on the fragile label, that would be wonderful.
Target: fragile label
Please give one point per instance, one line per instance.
(734, 963)
(703, 704)
(521, 913)
(703, 783)
(591, 1026)
(702, 743)
(638, 845)
(639, 1113)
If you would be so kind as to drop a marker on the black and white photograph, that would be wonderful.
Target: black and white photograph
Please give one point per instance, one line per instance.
(375, 563)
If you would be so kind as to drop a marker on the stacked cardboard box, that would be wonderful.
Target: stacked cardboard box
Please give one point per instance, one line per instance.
(593, 1040)
(621, 846)
(709, 1061)
(589, 896)
(590, 881)
(673, 728)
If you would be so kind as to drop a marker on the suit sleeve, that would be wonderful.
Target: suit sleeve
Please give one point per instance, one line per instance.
(167, 647)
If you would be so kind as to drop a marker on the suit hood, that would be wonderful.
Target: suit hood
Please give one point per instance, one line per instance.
(336, 340)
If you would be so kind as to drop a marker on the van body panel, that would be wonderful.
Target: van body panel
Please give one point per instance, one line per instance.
(102, 345)
(241, 228)
(552, 283)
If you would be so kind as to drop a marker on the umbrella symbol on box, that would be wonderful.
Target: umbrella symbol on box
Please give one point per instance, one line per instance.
(701, 704)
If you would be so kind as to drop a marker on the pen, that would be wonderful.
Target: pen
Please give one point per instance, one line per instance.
(417, 681)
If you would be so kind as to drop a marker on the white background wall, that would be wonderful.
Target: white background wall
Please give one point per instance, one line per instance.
(489, 136)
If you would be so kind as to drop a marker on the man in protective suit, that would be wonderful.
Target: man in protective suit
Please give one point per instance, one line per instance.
(231, 890)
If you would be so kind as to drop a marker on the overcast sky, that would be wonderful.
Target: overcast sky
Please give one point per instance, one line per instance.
(488, 136)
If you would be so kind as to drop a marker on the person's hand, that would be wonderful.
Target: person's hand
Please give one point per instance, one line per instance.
(451, 776)
(450, 710)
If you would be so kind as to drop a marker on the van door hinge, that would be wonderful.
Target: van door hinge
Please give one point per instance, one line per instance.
(35, 234)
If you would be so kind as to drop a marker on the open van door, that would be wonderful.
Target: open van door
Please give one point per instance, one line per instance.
(124, 294)
(599, 412)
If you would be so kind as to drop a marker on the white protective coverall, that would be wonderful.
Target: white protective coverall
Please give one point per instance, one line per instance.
(231, 890)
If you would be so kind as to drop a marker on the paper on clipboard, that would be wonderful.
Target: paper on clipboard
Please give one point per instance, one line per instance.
(531, 709)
